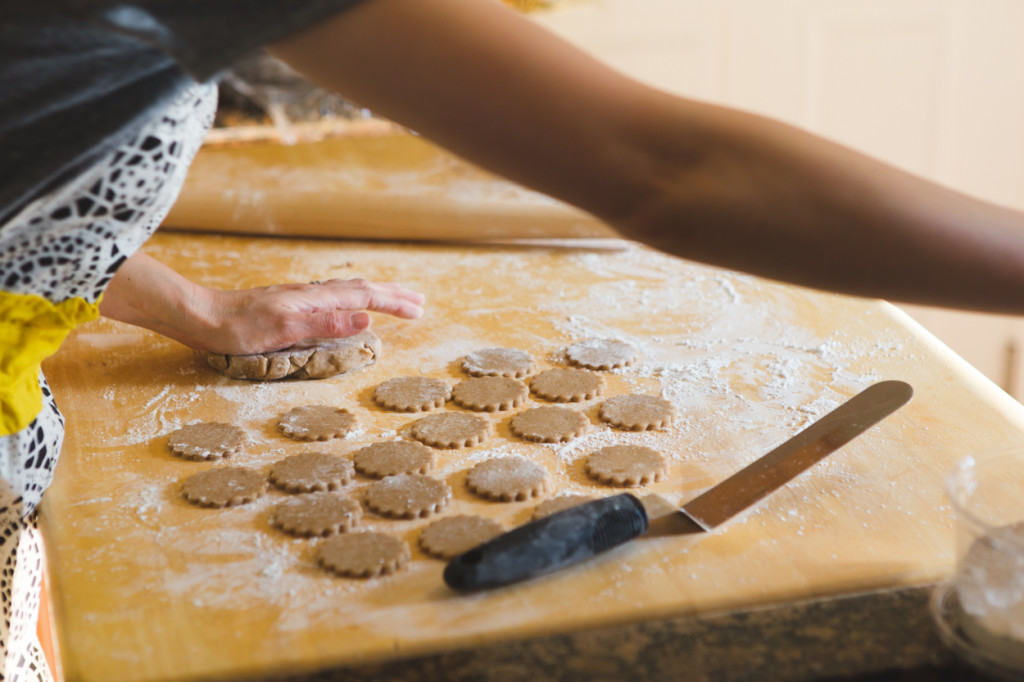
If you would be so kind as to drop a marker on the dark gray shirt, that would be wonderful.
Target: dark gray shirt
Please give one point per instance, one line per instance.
(77, 76)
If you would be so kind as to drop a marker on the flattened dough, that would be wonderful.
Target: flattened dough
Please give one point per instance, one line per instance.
(489, 394)
(408, 496)
(507, 479)
(549, 424)
(412, 394)
(224, 487)
(394, 457)
(310, 472)
(503, 362)
(637, 412)
(601, 353)
(449, 537)
(317, 515)
(316, 359)
(451, 430)
(561, 503)
(317, 422)
(626, 465)
(569, 385)
(362, 555)
(209, 440)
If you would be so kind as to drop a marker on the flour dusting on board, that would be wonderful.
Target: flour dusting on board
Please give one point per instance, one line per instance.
(734, 355)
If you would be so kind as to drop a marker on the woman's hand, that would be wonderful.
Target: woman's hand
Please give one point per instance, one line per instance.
(275, 317)
(146, 293)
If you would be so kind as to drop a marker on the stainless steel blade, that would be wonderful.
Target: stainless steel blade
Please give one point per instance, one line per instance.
(784, 463)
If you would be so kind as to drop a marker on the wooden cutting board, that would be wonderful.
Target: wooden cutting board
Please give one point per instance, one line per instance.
(148, 587)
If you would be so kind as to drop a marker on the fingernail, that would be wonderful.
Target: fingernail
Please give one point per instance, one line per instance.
(360, 320)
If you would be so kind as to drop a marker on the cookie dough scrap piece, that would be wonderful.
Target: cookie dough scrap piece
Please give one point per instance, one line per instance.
(549, 424)
(503, 362)
(209, 440)
(450, 430)
(310, 472)
(362, 555)
(449, 537)
(317, 422)
(507, 479)
(394, 457)
(568, 385)
(412, 394)
(317, 515)
(408, 496)
(224, 487)
(601, 353)
(626, 465)
(554, 505)
(637, 412)
(490, 394)
(315, 359)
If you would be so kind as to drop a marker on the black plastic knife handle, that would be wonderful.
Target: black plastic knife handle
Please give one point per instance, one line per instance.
(550, 543)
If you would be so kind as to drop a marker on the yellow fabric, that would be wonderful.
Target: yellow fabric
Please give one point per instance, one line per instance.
(31, 330)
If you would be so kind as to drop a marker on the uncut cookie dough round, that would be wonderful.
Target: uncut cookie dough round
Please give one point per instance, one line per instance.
(504, 362)
(412, 394)
(569, 385)
(362, 555)
(451, 430)
(549, 424)
(408, 496)
(394, 457)
(223, 487)
(209, 440)
(626, 465)
(561, 503)
(507, 479)
(317, 422)
(601, 353)
(449, 537)
(315, 359)
(317, 515)
(637, 412)
(311, 472)
(490, 394)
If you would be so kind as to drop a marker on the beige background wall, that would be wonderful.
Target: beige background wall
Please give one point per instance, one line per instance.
(934, 86)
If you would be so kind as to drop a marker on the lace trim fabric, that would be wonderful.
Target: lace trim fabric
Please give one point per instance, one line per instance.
(68, 244)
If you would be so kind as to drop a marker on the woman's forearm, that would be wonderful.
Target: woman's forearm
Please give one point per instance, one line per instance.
(148, 294)
(700, 181)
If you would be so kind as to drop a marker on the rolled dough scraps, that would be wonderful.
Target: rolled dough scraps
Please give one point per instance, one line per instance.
(408, 496)
(507, 479)
(637, 412)
(394, 457)
(412, 394)
(314, 359)
(451, 430)
(317, 422)
(549, 424)
(601, 353)
(490, 394)
(502, 362)
(209, 440)
(568, 385)
(626, 465)
(554, 505)
(317, 515)
(311, 472)
(449, 537)
(363, 554)
(224, 487)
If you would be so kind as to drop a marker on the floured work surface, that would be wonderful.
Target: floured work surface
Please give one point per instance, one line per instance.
(139, 575)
